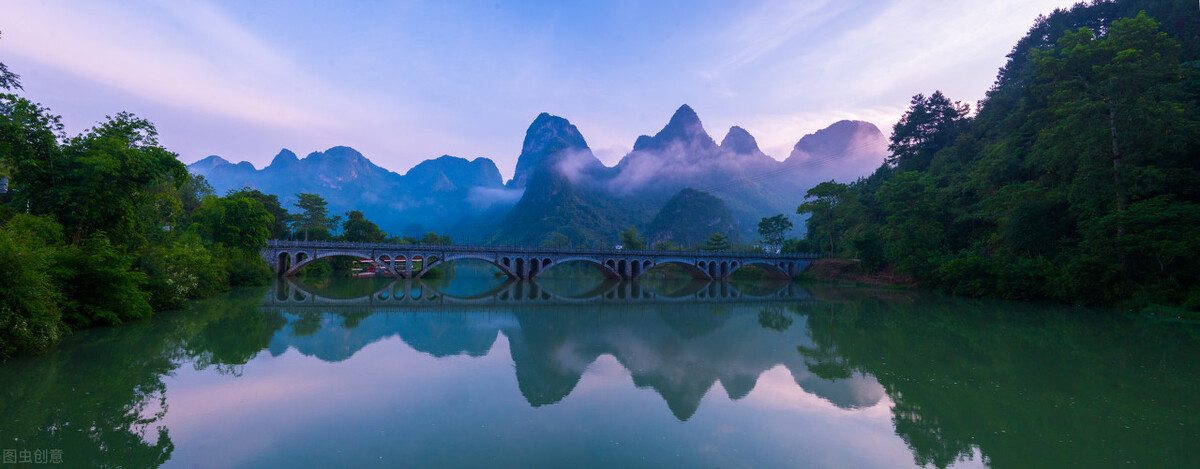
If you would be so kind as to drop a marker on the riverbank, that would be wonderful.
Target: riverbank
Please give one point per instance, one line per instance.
(851, 271)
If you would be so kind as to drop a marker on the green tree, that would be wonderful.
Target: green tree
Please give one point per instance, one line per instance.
(1115, 96)
(99, 285)
(796, 246)
(717, 242)
(30, 315)
(436, 239)
(112, 166)
(930, 124)
(192, 192)
(825, 198)
(279, 225)
(97, 181)
(773, 229)
(358, 229)
(913, 229)
(30, 154)
(314, 215)
(234, 221)
(1157, 257)
(181, 268)
(631, 240)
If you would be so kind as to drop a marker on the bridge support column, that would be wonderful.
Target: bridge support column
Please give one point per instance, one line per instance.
(273, 261)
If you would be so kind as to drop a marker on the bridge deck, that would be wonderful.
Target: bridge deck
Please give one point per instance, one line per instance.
(532, 250)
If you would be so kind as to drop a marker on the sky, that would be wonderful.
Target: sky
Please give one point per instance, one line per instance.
(404, 81)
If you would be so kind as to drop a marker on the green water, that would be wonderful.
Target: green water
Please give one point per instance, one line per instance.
(480, 372)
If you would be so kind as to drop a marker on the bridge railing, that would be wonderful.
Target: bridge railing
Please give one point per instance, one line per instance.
(534, 250)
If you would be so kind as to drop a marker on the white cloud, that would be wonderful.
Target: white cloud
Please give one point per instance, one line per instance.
(185, 54)
(772, 24)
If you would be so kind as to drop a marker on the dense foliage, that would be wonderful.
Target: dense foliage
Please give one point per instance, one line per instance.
(1078, 178)
(107, 226)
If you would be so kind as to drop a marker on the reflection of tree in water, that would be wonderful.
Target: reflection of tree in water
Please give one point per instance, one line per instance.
(339, 288)
(774, 318)
(825, 364)
(230, 331)
(308, 324)
(99, 419)
(100, 396)
(1026, 385)
(351, 320)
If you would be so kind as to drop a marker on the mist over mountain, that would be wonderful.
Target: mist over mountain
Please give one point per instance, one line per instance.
(564, 200)
(561, 193)
(436, 193)
(549, 142)
(843, 151)
(590, 203)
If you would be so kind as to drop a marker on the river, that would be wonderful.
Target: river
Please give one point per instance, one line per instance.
(481, 372)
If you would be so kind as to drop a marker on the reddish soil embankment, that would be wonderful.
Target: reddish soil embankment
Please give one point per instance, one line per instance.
(846, 270)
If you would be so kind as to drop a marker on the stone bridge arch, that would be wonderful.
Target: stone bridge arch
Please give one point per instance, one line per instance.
(304, 258)
(772, 271)
(433, 260)
(609, 272)
(696, 268)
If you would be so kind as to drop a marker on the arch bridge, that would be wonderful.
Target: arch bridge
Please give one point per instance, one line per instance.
(286, 258)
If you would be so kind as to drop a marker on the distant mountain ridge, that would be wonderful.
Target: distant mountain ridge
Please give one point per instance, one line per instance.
(560, 192)
(436, 193)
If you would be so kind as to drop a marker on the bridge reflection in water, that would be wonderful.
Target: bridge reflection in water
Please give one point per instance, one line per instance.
(679, 340)
(404, 295)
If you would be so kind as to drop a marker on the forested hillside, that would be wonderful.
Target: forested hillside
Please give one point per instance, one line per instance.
(689, 218)
(1077, 179)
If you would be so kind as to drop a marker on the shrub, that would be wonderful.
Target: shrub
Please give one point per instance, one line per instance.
(30, 316)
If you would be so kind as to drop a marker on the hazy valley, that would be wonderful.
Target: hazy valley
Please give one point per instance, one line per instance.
(561, 190)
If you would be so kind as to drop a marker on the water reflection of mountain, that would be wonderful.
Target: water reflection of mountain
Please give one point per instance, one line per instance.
(679, 346)
(552, 352)
(1016, 384)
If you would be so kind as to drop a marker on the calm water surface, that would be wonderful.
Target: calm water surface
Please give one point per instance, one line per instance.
(477, 371)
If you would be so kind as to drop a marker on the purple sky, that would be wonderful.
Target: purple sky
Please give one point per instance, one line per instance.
(406, 81)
